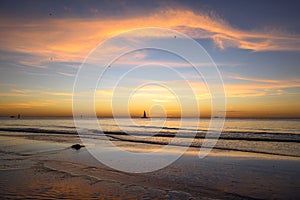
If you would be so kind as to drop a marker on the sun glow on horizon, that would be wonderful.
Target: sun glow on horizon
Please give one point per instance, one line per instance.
(40, 57)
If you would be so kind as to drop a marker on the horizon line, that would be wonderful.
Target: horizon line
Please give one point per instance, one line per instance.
(136, 117)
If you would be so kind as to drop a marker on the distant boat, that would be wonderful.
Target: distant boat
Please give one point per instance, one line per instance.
(144, 116)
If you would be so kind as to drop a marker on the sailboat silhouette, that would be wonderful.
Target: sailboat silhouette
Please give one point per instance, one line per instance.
(144, 116)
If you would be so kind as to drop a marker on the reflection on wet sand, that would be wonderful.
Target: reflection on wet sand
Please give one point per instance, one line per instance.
(50, 169)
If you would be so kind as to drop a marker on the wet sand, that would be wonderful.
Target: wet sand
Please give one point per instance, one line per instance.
(45, 167)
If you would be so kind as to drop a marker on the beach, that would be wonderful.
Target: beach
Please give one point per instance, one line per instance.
(44, 166)
(163, 100)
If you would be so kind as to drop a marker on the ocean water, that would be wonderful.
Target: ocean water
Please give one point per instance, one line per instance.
(36, 161)
(260, 136)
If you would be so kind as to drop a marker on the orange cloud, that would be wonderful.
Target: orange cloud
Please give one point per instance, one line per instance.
(72, 39)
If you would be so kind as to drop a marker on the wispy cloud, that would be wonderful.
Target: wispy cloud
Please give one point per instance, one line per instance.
(224, 35)
(26, 104)
(66, 74)
(255, 79)
(55, 46)
(16, 93)
(71, 39)
(259, 87)
(33, 93)
(57, 93)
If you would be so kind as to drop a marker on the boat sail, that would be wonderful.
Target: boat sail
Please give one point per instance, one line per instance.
(144, 116)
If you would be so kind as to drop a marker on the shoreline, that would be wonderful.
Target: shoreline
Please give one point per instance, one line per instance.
(64, 136)
(217, 176)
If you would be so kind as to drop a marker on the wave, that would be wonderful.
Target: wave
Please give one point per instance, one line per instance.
(38, 130)
(276, 137)
(162, 138)
(60, 132)
(198, 146)
(235, 138)
(255, 131)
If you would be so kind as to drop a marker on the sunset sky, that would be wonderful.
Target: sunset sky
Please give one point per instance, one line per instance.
(255, 44)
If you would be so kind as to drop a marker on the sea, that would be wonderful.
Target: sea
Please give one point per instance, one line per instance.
(279, 137)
